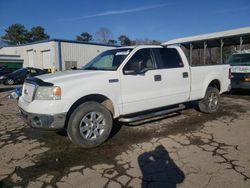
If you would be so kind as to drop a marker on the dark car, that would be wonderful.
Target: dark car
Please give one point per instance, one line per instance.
(18, 76)
(6, 70)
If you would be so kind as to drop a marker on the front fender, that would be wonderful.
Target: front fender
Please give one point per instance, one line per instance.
(115, 101)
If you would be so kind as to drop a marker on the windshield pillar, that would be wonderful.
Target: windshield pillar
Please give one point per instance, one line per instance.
(241, 43)
(221, 51)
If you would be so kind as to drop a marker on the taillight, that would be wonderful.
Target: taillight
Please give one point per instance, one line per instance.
(247, 79)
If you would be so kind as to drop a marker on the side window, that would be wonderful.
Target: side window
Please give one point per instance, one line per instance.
(142, 60)
(170, 58)
(33, 72)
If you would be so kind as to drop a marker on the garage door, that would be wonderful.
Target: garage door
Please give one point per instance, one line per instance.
(31, 58)
(46, 59)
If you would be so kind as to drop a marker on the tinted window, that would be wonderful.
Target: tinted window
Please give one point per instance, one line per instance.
(22, 72)
(239, 59)
(41, 71)
(142, 56)
(170, 58)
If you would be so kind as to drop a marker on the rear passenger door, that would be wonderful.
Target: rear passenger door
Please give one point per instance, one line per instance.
(175, 76)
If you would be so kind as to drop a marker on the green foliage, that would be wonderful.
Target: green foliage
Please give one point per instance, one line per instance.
(16, 34)
(85, 36)
(112, 42)
(125, 41)
(37, 33)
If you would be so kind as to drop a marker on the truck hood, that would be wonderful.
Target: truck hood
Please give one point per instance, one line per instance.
(71, 75)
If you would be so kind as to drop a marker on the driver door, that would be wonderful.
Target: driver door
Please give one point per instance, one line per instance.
(141, 89)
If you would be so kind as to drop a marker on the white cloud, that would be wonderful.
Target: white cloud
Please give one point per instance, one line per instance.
(115, 12)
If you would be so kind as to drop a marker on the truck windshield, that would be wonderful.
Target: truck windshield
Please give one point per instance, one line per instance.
(109, 60)
(239, 59)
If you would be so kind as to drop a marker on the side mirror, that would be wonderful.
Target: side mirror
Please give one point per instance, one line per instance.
(134, 68)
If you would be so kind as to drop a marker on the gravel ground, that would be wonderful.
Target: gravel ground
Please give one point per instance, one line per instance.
(187, 149)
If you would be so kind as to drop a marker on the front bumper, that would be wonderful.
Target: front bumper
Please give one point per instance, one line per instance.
(44, 121)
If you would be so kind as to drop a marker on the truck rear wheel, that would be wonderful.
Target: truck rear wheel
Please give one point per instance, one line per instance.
(210, 103)
(90, 125)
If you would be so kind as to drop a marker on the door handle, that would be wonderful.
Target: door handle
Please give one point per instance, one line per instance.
(157, 78)
(185, 74)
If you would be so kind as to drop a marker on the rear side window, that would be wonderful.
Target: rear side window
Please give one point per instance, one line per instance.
(170, 58)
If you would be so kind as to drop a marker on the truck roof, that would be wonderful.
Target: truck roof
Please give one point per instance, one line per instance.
(146, 46)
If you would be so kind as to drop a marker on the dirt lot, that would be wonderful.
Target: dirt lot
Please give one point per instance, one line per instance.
(187, 149)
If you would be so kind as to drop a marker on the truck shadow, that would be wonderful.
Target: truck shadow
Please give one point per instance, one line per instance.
(159, 170)
(189, 105)
(241, 92)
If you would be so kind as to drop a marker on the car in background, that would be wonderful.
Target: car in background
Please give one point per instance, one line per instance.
(6, 70)
(18, 76)
(240, 70)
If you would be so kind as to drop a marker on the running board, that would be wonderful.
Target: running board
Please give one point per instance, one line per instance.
(151, 115)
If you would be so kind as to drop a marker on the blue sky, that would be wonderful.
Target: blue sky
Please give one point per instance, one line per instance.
(155, 19)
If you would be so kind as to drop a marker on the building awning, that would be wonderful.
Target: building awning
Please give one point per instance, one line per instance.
(12, 61)
(229, 37)
(10, 58)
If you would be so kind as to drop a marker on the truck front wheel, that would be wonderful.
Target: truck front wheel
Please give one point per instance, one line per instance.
(90, 125)
(210, 103)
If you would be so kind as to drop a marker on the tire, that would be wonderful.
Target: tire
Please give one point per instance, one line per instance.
(9, 81)
(90, 125)
(210, 103)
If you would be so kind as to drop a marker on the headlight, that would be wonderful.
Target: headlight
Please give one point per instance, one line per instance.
(2, 77)
(48, 93)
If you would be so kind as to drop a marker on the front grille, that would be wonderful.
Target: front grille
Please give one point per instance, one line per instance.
(28, 91)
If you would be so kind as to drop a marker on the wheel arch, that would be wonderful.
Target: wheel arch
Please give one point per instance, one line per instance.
(102, 99)
(213, 83)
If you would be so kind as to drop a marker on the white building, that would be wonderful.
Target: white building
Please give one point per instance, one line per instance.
(55, 54)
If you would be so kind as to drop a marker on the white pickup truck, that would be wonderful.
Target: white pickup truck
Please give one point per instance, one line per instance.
(127, 84)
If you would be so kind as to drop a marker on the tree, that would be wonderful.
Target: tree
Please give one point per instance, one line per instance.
(155, 42)
(37, 33)
(146, 41)
(103, 35)
(125, 41)
(112, 42)
(16, 34)
(85, 36)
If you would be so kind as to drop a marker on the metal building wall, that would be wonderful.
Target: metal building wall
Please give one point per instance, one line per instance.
(60, 52)
(36, 50)
(80, 53)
